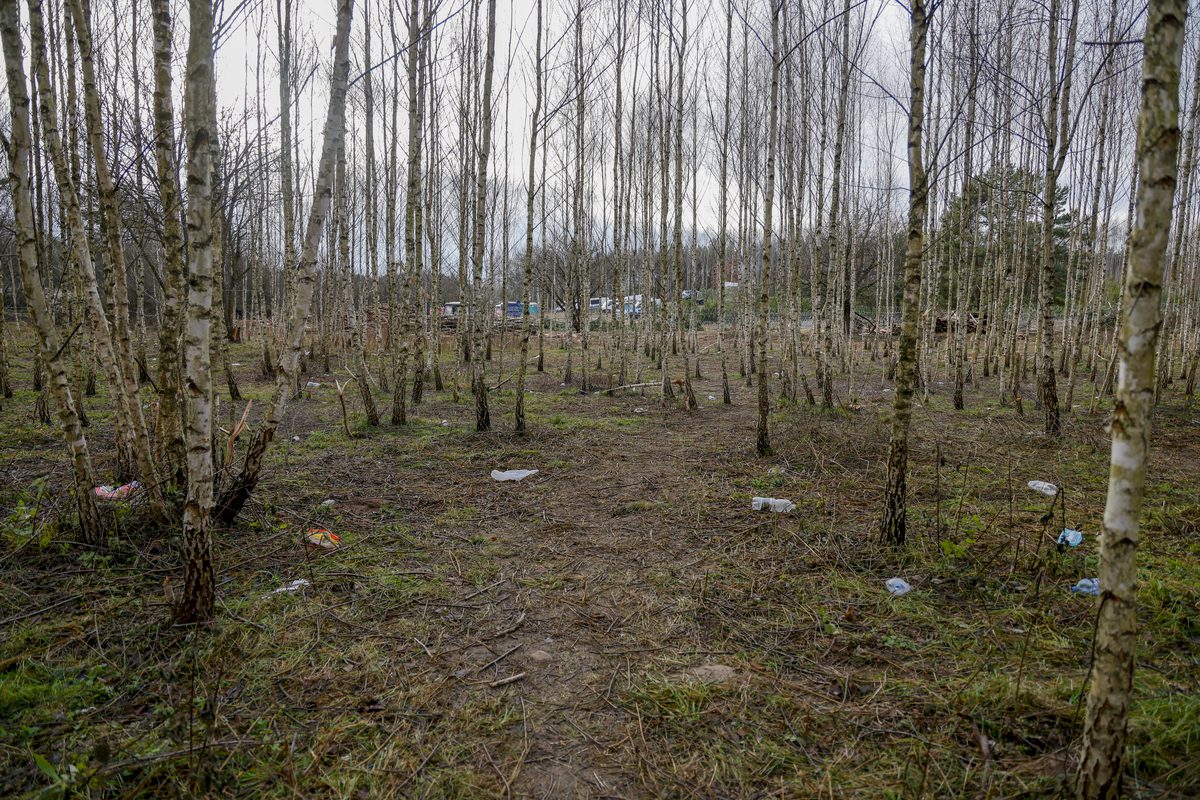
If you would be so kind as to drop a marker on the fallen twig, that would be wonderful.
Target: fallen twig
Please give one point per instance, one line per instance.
(628, 386)
(507, 681)
(500, 657)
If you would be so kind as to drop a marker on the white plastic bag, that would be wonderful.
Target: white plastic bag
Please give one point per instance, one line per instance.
(294, 586)
(512, 474)
(898, 586)
(1042, 487)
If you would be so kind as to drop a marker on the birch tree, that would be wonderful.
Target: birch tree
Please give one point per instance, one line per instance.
(122, 377)
(763, 440)
(199, 583)
(240, 488)
(893, 527)
(1111, 691)
(530, 196)
(483, 421)
(50, 350)
(169, 433)
(1057, 130)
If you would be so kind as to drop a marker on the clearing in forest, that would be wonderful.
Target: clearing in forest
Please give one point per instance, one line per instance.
(620, 624)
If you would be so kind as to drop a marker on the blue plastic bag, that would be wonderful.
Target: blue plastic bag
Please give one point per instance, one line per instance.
(1070, 538)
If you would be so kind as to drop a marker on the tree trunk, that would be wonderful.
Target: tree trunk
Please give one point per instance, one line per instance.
(199, 583)
(169, 432)
(91, 528)
(232, 500)
(893, 527)
(530, 195)
(483, 421)
(763, 441)
(1057, 139)
(125, 383)
(723, 214)
(1110, 695)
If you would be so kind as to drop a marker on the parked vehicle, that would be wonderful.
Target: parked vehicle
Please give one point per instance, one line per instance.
(514, 310)
(450, 314)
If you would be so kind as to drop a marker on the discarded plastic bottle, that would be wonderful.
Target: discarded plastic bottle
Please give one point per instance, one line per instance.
(776, 504)
(898, 586)
(1088, 586)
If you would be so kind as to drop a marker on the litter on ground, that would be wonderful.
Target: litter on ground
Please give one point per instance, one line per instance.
(1070, 538)
(512, 474)
(321, 539)
(776, 504)
(294, 586)
(1042, 487)
(114, 493)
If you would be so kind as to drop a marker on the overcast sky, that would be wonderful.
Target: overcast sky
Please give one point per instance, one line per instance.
(884, 59)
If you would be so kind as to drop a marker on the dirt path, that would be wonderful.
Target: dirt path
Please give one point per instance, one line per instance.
(597, 561)
(620, 624)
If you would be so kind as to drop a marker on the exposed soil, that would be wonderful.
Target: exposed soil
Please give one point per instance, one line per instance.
(620, 624)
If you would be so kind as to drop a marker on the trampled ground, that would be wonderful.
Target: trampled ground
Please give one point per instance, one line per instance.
(620, 624)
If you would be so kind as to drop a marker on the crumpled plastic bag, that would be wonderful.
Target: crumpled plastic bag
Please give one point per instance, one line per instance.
(776, 504)
(321, 539)
(294, 586)
(898, 586)
(512, 474)
(1042, 487)
(1070, 538)
(113, 493)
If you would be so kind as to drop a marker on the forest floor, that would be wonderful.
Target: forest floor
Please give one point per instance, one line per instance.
(620, 624)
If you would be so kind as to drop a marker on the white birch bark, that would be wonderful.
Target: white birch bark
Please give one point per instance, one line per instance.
(1111, 691)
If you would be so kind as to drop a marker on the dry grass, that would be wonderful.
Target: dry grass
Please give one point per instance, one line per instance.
(630, 558)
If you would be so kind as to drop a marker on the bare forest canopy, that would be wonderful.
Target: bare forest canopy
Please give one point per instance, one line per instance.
(983, 64)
